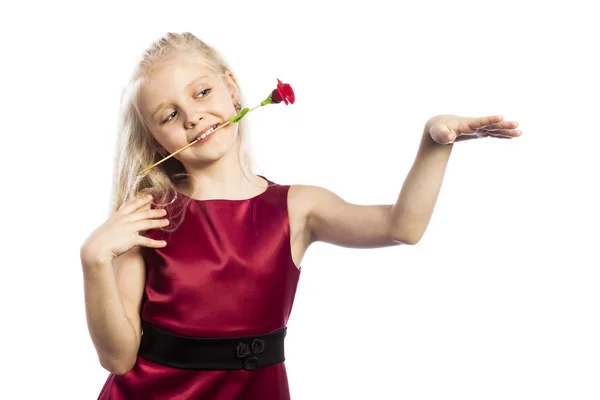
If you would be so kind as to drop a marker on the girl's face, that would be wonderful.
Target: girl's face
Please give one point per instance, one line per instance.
(179, 100)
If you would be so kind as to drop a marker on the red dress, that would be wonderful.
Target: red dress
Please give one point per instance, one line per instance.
(227, 271)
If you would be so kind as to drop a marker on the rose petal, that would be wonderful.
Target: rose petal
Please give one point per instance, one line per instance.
(276, 96)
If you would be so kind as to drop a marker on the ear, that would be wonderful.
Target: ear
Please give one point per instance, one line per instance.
(232, 86)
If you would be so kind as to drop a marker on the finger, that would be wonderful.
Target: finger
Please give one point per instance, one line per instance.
(148, 214)
(147, 242)
(477, 123)
(504, 132)
(442, 134)
(148, 224)
(502, 125)
(132, 205)
(500, 136)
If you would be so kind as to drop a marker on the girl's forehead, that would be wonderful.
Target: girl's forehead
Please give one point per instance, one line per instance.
(177, 69)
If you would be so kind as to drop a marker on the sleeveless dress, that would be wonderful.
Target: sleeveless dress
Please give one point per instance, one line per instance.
(227, 271)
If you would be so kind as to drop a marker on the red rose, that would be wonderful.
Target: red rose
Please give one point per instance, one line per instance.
(284, 92)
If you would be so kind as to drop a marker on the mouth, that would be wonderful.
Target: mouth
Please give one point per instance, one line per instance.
(205, 132)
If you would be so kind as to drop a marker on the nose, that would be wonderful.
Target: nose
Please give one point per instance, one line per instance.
(192, 116)
(192, 120)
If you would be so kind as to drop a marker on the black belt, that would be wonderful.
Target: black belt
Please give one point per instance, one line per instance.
(233, 353)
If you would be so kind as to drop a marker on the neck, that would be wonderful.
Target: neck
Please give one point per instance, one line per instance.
(222, 179)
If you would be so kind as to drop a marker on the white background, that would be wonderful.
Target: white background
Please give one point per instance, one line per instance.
(500, 300)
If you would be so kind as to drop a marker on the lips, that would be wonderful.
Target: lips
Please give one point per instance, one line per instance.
(206, 131)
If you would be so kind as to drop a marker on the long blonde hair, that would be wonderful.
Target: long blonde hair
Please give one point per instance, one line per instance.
(137, 148)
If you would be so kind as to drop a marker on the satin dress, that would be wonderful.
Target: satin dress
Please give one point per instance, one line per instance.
(226, 271)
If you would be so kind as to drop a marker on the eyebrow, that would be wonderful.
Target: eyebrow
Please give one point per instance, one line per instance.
(163, 104)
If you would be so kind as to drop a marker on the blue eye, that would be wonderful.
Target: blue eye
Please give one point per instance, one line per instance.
(207, 91)
(172, 115)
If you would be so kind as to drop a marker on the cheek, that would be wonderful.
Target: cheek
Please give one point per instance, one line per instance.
(225, 102)
(170, 139)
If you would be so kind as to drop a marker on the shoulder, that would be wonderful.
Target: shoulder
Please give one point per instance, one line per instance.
(307, 194)
(302, 201)
(306, 199)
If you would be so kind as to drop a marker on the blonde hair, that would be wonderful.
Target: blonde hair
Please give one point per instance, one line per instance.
(137, 148)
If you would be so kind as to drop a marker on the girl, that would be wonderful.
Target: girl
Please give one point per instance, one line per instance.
(203, 256)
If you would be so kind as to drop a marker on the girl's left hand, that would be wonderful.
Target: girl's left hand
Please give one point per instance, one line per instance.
(447, 129)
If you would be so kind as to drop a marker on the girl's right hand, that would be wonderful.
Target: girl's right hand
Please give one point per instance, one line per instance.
(121, 232)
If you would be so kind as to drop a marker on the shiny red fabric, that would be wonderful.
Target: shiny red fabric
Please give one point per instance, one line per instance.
(226, 271)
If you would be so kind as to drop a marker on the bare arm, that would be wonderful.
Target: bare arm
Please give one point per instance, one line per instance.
(333, 220)
(114, 276)
(416, 202)
(113, 296)
(330, 219)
